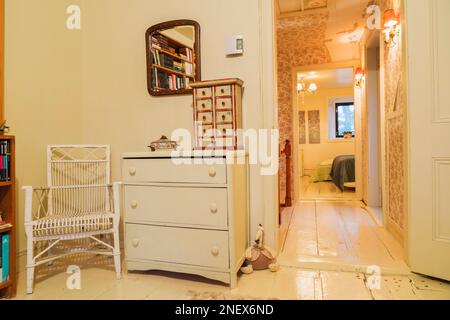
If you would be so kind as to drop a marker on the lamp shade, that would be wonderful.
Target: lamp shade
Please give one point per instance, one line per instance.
(390, 18)
(312, 87)
(359, 74)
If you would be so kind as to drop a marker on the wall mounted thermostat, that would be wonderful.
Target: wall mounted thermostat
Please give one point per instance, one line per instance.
(234, 45)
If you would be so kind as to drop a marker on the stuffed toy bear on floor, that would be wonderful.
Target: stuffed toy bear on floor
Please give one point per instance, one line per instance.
(259, 257)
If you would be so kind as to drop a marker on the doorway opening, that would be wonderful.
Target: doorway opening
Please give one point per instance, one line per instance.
(336, 126)
(326, 128)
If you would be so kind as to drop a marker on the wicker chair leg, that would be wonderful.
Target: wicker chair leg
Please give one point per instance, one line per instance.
(117, 262)
(30, 280)
(30, 266)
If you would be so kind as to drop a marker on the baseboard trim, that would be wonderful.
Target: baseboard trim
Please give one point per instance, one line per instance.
(396, 231)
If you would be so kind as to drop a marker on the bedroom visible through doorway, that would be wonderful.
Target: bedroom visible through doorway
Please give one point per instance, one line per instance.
(326, 130)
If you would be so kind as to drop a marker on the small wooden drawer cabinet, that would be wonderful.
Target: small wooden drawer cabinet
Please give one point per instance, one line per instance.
(218, 114)
(189, 218)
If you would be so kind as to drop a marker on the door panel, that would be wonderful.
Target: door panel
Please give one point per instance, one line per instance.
(428, 43)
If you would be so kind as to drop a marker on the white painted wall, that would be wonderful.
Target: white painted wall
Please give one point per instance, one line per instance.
(42, 88)
(89, 86)
(117, 108)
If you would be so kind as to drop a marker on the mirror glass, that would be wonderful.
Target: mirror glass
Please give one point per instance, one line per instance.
(173, 57)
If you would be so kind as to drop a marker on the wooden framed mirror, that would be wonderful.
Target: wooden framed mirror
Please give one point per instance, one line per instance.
(173, 57)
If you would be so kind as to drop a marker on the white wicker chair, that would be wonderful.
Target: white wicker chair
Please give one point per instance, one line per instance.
(79, 203)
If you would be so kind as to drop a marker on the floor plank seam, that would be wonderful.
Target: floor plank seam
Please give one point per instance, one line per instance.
(289, 228)
(316, 228)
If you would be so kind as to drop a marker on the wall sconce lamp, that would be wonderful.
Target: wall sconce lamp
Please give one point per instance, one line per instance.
(359, 77)
(303, 89)
(391, 28)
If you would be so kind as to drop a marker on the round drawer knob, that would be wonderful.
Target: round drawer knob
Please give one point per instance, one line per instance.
(132, 171)
(215, 251)
(135, 243)
(212, 172)
(204, 92)
(134, 204)
(222, 90)
(213, 208)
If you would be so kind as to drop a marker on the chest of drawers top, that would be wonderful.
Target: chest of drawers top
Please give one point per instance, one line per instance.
(161, 167)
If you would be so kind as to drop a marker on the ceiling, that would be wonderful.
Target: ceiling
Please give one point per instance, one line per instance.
(289, 6)
(329, 78)
(345, 27)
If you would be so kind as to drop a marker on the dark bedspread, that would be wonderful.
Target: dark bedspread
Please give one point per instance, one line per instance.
(343, 171)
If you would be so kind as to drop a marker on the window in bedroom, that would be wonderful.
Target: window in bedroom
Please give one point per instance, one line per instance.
(344, 119)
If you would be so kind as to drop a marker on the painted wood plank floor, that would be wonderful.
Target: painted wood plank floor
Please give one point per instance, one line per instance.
(324, 242)
(288, 284)
(323, 190)
(338, 235)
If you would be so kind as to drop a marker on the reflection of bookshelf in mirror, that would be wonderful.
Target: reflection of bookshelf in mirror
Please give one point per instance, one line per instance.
(8, 214)
(172, 63)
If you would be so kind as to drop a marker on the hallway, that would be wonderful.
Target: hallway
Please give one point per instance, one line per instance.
(325, 190)
(338, 236)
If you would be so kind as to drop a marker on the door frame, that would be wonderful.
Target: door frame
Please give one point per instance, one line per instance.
(368, 44)
(358, 97)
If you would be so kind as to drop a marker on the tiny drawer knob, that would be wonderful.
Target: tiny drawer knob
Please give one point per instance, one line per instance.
(223, 103)
(135, 243)
(222, 90)
(132, 171)
(204, 92)
(212, 172)
(215, 251)
(134, 204)
(213, 208)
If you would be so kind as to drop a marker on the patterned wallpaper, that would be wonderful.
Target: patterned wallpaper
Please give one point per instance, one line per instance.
(395, 100)
(314, 126)
(301, 42)
(302, 127)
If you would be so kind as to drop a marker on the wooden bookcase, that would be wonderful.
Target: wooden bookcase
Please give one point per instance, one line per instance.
(8, 209)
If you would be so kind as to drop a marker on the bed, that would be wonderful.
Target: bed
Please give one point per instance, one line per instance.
(343, 171)
(322, 172)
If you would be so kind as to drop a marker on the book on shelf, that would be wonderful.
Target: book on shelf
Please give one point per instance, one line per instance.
(4, 258)
(186, 52)
(165, 80)
(170, 70)
(189, 69)
(5, 161)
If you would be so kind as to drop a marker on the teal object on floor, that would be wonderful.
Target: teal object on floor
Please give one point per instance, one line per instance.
(5, 258)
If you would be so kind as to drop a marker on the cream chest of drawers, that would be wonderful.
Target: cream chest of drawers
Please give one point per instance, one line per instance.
(188, 218)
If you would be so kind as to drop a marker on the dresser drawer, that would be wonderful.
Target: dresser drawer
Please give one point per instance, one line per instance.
(223, 91)
(203, 93)
(224, 103)
(165, 171)
(204, 105)
(205, 207)
(177, 245)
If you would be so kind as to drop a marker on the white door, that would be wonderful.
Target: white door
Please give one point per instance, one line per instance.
(428, 43)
